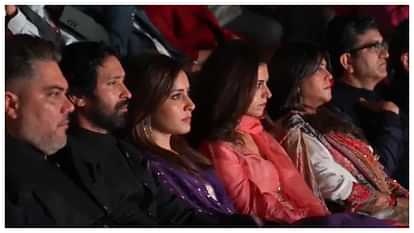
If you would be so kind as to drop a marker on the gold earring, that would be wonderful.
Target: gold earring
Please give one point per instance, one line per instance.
(147, 128)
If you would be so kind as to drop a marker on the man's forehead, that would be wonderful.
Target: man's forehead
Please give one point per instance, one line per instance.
(110, 68)
(369, 36)
(47, 72)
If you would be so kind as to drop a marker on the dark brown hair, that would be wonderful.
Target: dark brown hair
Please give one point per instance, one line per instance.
(223, 91)
(290, 65)
(150, 78)
(399, 45)
(80, 63)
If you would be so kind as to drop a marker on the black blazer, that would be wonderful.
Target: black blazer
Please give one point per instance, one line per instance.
(38, 193)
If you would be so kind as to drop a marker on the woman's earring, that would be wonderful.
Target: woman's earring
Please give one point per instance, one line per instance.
(299, 96)
(148, 128)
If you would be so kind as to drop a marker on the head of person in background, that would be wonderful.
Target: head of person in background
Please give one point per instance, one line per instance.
(37, 109)
(96, 86)
(232, 83)
(399, 57)
(358, 51)
(161, 109)
(398, 90)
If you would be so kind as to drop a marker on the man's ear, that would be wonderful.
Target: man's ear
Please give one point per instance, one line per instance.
(404, 58)
(77, 101)
(346, 61)
(11, 102)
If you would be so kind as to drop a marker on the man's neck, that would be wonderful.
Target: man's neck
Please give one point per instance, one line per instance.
(88, 125)
(358, 82)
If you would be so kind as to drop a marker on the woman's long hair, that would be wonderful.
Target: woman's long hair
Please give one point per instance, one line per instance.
(150, 78)
(223, 91)
(290, 65)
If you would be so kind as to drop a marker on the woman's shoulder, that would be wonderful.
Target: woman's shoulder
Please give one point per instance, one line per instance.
(217, 144)
(167, 171)
(293, 120)
(218, 148)
(292, 123)
(287, 122)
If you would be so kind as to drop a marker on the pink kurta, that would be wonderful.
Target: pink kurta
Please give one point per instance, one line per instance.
(266, 185)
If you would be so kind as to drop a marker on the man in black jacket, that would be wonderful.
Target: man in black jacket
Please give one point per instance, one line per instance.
(37, 192)
(359, 57)
(111, 170)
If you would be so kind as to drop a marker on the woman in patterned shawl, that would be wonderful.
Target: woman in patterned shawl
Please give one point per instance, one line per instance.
(337, 162)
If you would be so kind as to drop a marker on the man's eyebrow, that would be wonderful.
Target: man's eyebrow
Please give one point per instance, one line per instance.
(60, 88)
(118, 77)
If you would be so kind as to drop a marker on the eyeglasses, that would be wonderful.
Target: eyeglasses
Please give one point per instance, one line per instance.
(376, 46)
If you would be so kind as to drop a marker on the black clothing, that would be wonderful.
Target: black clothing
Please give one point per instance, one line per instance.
(383, 130)
(398, 92)
(38, 193)
(117, 176)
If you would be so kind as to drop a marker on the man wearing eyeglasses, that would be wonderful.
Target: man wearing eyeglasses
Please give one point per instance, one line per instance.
(359, 57)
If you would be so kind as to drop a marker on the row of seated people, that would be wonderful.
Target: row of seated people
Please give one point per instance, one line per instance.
(190, 33)
(288, 167)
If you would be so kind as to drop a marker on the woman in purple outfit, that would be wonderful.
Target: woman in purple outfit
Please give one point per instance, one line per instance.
(160, 112)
